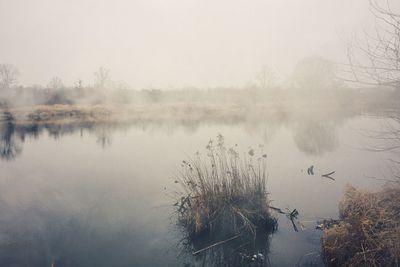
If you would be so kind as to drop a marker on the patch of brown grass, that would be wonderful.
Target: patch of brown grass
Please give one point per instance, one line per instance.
(369, 233)
(224, 193)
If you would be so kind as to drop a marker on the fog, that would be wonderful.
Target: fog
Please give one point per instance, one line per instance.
(185, 133)
(179, 43)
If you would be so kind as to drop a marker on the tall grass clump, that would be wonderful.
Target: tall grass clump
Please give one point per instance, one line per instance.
(224, 193)
(369, 231)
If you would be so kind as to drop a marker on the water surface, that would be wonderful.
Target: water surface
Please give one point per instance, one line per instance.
(100, 194)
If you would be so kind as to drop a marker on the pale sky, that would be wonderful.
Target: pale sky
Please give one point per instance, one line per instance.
(172, 43)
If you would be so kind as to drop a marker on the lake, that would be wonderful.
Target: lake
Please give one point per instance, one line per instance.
(101, 194)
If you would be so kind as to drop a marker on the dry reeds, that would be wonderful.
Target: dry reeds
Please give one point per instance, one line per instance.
(369, 233)
(224, 193)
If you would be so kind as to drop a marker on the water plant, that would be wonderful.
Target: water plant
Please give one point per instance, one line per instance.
(223, 193)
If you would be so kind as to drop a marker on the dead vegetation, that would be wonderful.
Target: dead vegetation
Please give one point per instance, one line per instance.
(223, 193)
(369, 231)
(223, 208)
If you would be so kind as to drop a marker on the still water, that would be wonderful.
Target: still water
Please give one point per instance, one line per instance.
(100, 194)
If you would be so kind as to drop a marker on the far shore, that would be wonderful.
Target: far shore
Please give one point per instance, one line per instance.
(244, 109)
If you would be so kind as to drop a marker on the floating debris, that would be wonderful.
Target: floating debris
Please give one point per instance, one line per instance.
(326, 224)
(292, 216)
(256, 258)
(328, 175)
(277, 209)
(310, 170)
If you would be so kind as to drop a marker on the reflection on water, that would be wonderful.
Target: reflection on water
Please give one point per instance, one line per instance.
(10, 147)
(314, 134)
(79, 222)
(49, 238)
(66, 201)
(315, 138)
(235, 251)
(13, 135)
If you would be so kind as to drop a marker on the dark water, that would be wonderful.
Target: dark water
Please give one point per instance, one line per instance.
(100, 194)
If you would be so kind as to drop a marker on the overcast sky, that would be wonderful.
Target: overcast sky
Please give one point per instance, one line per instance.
(172, 43)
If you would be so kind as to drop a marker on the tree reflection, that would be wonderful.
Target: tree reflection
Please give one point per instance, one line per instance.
(315, 138)
(314, 134)
(10, 148)
(312, 138)
(103, 135)
(13, 135)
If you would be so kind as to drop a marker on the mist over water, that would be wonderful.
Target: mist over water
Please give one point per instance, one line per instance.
(103, 104)
(97, 194)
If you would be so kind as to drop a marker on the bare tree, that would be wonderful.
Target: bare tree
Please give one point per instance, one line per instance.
(55, 83)
(266, 78)
(375, 58)
(102, 77)
(78, 84)
(8, 75)
(315, 73)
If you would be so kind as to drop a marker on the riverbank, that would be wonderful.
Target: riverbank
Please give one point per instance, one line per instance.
(369, 231)
(210, 106)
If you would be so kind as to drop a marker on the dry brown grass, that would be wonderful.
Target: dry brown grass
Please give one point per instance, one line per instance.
(224, 193)
(369, 233)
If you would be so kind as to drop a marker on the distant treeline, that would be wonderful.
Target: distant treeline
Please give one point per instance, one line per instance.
(313, 79)
(27, 96)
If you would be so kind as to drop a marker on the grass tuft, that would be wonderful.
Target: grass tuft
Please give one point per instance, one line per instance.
(224, 193)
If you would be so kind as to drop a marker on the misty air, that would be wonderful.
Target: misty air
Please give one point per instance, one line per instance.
(199, 133)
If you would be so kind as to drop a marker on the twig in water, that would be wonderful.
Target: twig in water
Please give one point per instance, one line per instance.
(310, 170)
(292, 216)
(215, 244)
(277, 209)
(328, 175)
